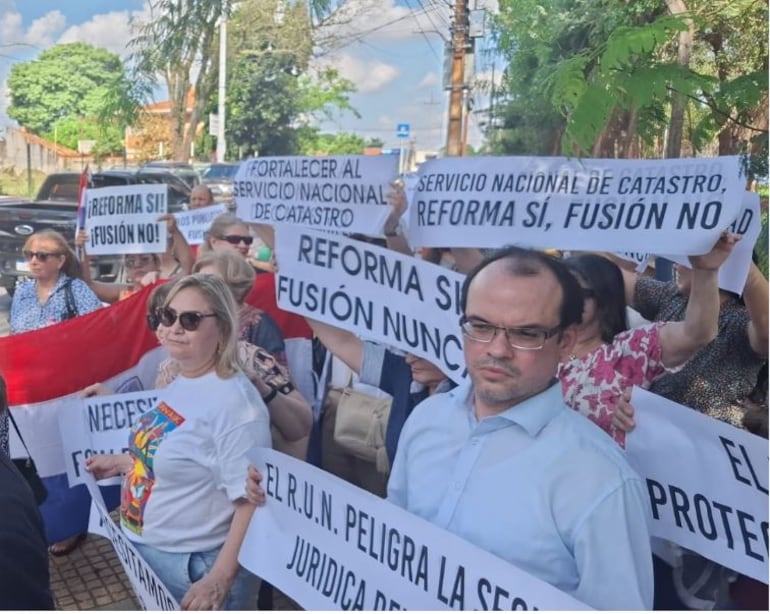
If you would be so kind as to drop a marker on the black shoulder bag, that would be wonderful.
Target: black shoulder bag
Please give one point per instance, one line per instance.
(27, 468)
(69, 300)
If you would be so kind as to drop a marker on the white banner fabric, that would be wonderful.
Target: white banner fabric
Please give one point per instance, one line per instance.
(99, 425)
(591, 204)
(124, 219)
(193, 224)
(340, 193)
(148, 588)
(707, 482)
(376, 293)
(332, 546)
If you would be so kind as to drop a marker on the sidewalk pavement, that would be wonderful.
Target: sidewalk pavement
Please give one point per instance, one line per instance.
(92, 578)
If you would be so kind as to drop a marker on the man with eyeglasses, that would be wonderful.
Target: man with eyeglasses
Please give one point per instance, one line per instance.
(502, 462)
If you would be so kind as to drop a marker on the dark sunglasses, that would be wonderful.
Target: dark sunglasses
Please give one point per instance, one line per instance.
(41, 256)
(190, 320)
(153, 319)
(235, 239)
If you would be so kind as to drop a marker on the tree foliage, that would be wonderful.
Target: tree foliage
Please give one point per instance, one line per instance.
(602, 77)
(66, 95)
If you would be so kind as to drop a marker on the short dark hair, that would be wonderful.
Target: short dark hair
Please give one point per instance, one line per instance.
(523, 262)
(605, 279)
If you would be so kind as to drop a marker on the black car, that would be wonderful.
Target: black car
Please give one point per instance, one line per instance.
(184, 171)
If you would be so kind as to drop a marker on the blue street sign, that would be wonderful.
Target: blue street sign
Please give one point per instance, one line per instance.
(402, 131)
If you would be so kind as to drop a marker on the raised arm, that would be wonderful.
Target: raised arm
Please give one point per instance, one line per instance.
(343, 344)
(680, 340)
(393, 237)
(755, 296)
(181, 249)
(105, 292)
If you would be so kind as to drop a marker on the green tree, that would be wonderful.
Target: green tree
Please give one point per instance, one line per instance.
(66, 88)
(313, 142)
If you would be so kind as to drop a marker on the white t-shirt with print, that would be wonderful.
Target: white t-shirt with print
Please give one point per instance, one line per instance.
(189, 462)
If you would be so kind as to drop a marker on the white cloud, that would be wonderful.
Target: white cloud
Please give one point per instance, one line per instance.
(367, 76)
(43, 31)
(111, 31)
(429, 80)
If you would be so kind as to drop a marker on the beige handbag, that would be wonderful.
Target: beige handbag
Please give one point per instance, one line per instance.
(360, 425)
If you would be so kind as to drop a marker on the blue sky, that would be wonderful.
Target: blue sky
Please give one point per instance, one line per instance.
(395, 59)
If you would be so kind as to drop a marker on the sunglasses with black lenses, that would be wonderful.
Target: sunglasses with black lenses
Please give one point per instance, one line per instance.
(236, 239)
(189, 320)
(41, 256)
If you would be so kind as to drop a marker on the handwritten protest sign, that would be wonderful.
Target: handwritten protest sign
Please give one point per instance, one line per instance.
(376, 293)
(707, 481)
(99, 425)
(735, 270)
(332, 546)
(613, 205)
(340, 193)
(124, 219)
(194, 224)
(148, 588)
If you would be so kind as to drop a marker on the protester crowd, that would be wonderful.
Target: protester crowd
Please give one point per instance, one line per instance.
(512, 460)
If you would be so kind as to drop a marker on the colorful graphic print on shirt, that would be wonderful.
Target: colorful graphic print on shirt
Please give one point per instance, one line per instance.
(146, 437)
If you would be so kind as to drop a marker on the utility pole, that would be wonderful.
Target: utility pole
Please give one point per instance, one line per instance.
(460, 45)
(221, 89)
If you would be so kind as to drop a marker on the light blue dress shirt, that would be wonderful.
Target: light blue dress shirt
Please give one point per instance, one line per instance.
(538, 485)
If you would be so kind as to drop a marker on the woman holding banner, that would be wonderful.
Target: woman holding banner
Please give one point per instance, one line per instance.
(608, 358)
(183, 497)
(141, 269)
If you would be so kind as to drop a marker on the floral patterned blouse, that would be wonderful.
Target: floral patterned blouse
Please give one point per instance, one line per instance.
(593, 384)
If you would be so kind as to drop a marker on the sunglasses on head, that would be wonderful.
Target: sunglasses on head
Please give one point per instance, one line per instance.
(189, 320)
(235, 239)
(41, 256)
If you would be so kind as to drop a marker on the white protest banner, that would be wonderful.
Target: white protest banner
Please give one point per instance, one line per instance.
(99, 425)
(148, 588)
(707, 482)
(679, 205)
(340, 193)
(194, 223)
(376, 293)
(124, 219)
(332, 546)
(735, 270)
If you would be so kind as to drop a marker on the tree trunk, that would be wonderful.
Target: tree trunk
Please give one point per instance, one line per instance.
(678, 100)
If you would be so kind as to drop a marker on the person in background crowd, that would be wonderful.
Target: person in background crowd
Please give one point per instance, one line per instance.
(24, 576)
(714, 382)
(183, 502)
(227, 232)
(141, 269)
(608, 358)
(254, 325)
(585, 525)
(407, 378)
(55, 293)
(201, 196)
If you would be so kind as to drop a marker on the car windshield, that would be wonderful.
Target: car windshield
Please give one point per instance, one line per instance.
(220, 172)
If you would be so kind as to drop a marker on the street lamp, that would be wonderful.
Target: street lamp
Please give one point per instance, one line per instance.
(221, 144)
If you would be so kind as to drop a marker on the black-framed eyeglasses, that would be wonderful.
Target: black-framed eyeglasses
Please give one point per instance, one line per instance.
(520, 338)
(41, 256)
(236, 239)
(189, 320)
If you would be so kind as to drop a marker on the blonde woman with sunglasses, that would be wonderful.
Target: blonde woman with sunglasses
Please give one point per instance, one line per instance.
(55, 291)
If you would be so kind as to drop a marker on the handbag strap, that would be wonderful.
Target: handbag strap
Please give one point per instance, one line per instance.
(69, 299)
(18, 432)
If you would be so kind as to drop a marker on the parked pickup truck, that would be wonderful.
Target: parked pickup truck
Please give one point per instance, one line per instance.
(55, 206)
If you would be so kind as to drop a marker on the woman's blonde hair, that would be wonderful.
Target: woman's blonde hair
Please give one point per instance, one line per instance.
(71, 266)
(220, 301)
(237, 273)
(217, 230)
